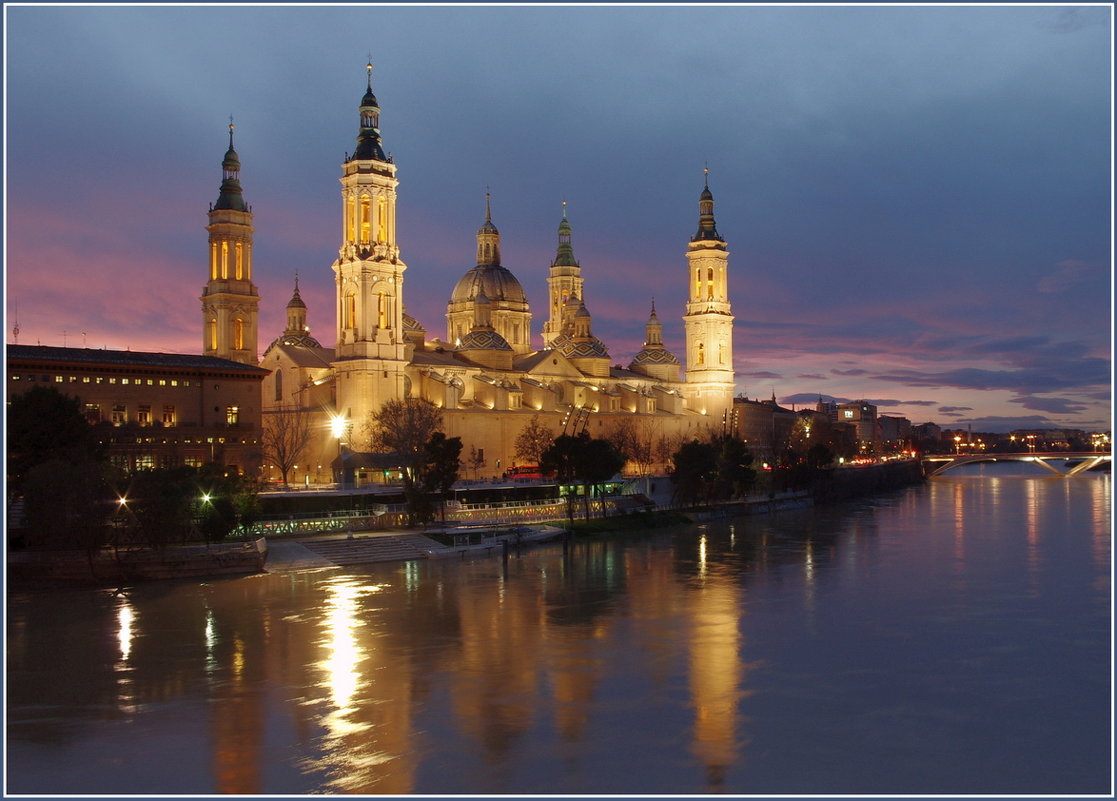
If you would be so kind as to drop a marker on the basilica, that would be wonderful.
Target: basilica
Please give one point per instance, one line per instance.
(488, 371)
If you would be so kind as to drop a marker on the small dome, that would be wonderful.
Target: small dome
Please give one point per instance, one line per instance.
(654, 356)
(295, 340)
(587, 349)
(496, 283)
(296, 302)
(483, 340)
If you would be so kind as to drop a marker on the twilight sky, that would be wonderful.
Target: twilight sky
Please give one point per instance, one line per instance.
(917, 200)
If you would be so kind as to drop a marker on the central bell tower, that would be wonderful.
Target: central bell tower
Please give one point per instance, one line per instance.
(372, 349)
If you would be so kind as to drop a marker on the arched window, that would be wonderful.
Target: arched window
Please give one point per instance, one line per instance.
(213, 261)
(721, 353)
(238, 334)
(710, 284)
(381, 220)
(213, 333)
(240, 260)
(349, 317)
(701, 354)
(366, 219)
(381, 310)
(224, 260)
(279, 384)
(350, 219)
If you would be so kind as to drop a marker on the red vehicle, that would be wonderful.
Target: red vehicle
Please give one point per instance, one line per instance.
(531, 471)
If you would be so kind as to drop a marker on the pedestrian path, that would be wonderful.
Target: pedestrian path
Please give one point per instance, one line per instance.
(321, 552)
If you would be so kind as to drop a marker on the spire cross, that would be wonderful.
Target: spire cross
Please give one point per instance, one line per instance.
(230, 131)
(488, 214)
(706, 170)
(368, 67)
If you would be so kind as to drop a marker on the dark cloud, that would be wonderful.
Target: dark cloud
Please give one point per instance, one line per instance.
(855, 371)
(954, 409)
(1053, 405)
(812, 377)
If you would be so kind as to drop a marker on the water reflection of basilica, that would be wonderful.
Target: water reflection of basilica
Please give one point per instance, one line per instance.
(357, 662)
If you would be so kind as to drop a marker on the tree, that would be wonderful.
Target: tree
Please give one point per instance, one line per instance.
(695, 469)
(67, 505)
(404, 427)
(588, 461)
(735, 475)
(43, 425)
(285, 436)
(160, 505)
(599, 462)
(533, 441)
(441, 466)
(476, 460)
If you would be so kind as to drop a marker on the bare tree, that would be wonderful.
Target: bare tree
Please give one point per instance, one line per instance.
(404, 427)
(533, 441)
(286, 434)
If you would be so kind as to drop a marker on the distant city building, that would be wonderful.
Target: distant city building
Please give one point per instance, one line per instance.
(862, 415)
(895, 433)
(153, 409)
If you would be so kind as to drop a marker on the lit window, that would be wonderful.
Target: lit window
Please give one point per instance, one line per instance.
(58, 379)
(124, 381)
(174, 382)
(150, 382)
(143, 415)
(15, 378)
(112, 379)
(232, 415)
(169, 417)
(238, 334)
(99, 380)
(162, 382)
(848, 414)
(85, 379)
(119, 414)
(93, 413)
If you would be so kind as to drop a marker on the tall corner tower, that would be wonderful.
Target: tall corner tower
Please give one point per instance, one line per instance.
(708, 321)
(371, 342)
(230, 303)
(563, 282)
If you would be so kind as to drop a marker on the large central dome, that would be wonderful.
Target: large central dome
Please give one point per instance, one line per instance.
(495, 282)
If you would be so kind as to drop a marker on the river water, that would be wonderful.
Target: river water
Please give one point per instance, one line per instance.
(949, 638)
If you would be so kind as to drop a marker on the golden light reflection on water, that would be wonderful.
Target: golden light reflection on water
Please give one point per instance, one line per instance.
(125, 615)
(345, 655)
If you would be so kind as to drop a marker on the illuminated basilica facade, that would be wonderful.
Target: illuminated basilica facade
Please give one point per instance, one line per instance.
(487, 373)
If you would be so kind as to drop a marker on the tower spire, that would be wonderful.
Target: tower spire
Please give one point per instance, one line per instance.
(488, 237)
(707, 228)
(368, 139)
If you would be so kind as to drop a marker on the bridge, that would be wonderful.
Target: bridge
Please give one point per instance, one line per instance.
(1080, 461)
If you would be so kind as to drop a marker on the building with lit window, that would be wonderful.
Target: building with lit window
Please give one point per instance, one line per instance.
(153, 409)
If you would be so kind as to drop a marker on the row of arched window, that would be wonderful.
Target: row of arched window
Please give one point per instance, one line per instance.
(359, 219)
(383, 310)
(237, 330)
(230, 260)
(700, 354)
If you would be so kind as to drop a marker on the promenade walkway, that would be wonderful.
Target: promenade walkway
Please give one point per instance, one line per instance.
(285, 555)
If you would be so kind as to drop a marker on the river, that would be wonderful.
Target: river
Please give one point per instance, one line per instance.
(950, 638)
